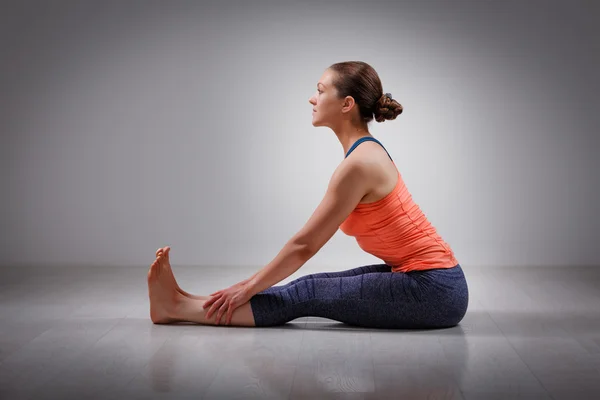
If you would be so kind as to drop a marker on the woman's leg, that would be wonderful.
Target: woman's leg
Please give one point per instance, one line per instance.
(169, 303)
(192, 311)
(369, 296)
(419, 299)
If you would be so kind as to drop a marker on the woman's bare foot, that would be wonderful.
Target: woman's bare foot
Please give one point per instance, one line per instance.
(169, 273)
(164, 297)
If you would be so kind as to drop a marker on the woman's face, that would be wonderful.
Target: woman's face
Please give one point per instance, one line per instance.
(326, 104)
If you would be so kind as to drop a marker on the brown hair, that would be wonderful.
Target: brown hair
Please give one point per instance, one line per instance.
(359, 80)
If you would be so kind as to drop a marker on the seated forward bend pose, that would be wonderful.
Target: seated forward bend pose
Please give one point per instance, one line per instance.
(419, 285)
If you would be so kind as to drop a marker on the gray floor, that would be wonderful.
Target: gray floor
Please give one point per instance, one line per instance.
(529, 333)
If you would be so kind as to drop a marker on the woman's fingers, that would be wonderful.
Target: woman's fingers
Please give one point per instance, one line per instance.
(228, 310)
(218, 318)
(229, 314)
(221, 311)
(214, 297)
(215, 306)
(208, 302)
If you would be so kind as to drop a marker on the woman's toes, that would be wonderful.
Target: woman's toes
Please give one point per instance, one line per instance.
(161, 250)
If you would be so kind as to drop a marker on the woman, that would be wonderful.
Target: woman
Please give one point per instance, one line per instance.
(420, 285)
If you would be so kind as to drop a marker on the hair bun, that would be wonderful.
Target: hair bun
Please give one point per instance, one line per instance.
(387, 108)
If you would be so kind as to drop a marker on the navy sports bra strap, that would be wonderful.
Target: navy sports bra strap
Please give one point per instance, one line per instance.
(363, 139)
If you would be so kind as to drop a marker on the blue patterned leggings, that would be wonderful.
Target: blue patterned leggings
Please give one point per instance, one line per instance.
(369, 296)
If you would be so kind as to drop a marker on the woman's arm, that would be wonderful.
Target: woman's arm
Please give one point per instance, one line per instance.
(288, 261)
(348, 185)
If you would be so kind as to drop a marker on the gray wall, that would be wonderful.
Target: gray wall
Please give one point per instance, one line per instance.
(129, 125)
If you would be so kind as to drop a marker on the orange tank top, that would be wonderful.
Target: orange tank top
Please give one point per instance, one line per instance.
(395, 230)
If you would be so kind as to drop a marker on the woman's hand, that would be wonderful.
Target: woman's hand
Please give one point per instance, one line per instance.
(227, 300)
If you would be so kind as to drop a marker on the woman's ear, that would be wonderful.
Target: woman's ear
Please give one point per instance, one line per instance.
(348, 103)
